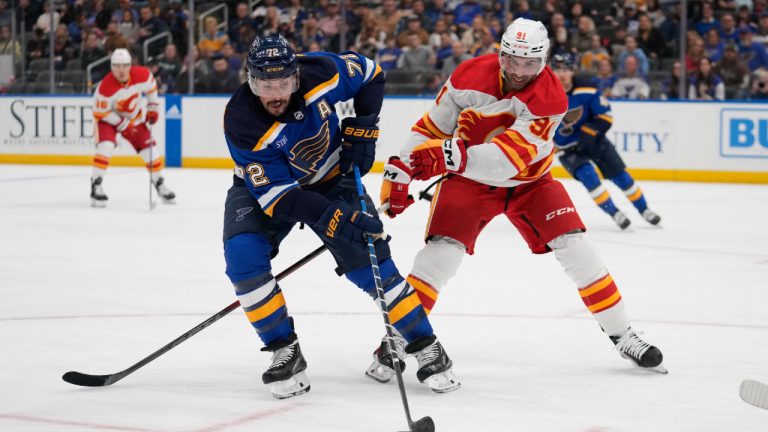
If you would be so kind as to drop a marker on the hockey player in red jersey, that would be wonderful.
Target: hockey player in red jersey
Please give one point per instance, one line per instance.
(126, 103)
(490, 135)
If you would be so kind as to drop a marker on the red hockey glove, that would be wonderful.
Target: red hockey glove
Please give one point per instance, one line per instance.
(394, 189)
(152, 117)
(437, 156)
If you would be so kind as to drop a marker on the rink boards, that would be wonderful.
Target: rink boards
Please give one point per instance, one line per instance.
(687, 141)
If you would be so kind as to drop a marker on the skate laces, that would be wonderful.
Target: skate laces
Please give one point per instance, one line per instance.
(398, 343)
(428, 354)
(282, 356)
(632, 345)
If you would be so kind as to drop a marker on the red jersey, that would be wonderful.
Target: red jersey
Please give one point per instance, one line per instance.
(114, 101)
(509, 136)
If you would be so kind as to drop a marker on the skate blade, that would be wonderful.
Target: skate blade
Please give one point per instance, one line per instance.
(171, 201)
(754, 393)
(98, 204)
(380, 372)
(443, 382)
(293, 386)
(660, 369)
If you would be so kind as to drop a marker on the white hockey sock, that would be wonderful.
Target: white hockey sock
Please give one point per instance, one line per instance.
(597, 289)
(434, 265)
(104, 151)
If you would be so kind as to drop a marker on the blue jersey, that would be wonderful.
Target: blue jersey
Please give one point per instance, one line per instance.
(274, 155)
(588, 113)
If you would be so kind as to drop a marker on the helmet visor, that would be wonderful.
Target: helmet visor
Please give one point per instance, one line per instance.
(519, 65)
(279, 87)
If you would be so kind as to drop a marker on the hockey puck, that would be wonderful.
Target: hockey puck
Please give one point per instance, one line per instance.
(425, 424)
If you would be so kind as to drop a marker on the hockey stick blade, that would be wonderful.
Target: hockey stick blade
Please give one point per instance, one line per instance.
(424, 424)
(754, 393)
(86, 380)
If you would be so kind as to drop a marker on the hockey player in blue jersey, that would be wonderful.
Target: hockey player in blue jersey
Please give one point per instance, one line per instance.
(293, 165)
(581, 138)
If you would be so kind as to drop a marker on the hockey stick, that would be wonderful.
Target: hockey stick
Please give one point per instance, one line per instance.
(149, 167)
(87, 380)
(424, 194)
(425, 424)
(754, 393)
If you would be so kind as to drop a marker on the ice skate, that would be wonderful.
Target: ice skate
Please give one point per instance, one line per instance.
(435, 367)
(98, 198)
(621, 220)
(286, 376)
(382, 369)
(643, 354)
(651, 217)
(166, 194)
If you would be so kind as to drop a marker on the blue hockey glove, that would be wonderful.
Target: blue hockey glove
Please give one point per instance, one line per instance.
(358, 146)
(346, 227)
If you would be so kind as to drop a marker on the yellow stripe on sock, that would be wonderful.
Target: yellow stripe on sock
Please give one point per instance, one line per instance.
(270, 307)
(404, 308)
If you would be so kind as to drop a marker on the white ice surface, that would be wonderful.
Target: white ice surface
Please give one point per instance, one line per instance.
(96, 290)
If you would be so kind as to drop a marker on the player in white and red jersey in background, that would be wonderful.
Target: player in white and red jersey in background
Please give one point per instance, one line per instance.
(126, 103)
(490, 134)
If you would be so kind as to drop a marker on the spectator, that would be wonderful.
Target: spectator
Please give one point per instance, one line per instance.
(560, 43)
(310, 33)
(473, 35)
(761, 34)
(458, 55)
(200, 77)
(670, 88)
(285, 27)
(128, 27)
(38, 46)
(314, 47)
(297, 12)
(631, 18)
(269, 23)
(760, 85)
(524, 11)
(330, 24)
(728, 30)
(466, 12)
(654, 12)
(177, 18)
(418, 57)
(221, 79)
(150, 25)
(631, 84)
(590, 60)
(76, 27)
(670, 28)
(413, 26)
(390, 16)
(418, 9)
(388, 57)
(242, 18)
(436, 37)
(169, 68)
(713, 47)
(98, 16)
(7, 45)
(705, 84)
(577, 10)
(444, 50)
(745, 18)
(695, 53)
(726, 5)
(752, 53)
(605, 78)
(125, 5)
(114, 39)
(734, 73)
(556, 21)
(581, 36)
(63, 50)
(234, 60)
(707, 20)
(371, 39)
(616, 40)
(487, 45)
(213, 39)
(44, 20)
(631, 49)
(261, 10)
(435, 10)
(650, 39)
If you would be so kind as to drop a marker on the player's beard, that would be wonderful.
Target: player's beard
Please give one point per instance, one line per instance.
(276, 106)
(517, 82)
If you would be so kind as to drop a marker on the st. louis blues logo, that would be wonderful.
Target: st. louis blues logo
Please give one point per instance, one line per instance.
(570, 120)
(307, 154)
(241, 212)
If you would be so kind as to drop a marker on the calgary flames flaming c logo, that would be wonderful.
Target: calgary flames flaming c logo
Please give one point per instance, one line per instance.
(475, 127)
(127, 105)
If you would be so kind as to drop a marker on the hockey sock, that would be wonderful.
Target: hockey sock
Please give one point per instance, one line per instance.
(434, 265)
(406, 313)
(596, 287)
(104, 152)
(155, 165)
(631, 190)
(587, 175)
(247, 257)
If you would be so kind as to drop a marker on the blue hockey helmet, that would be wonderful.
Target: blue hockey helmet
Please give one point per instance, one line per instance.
(563, 61)
(273, 69)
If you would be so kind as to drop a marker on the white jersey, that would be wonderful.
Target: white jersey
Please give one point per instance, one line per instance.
(115, 102)
(509, 137)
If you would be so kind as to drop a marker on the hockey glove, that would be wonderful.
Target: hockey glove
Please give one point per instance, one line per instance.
(358, 146)
(394, 189)
(437, 156)
(152, 114)
(345, 227)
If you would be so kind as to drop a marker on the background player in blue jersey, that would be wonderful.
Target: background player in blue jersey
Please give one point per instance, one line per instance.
(581, 137)
(292, 161)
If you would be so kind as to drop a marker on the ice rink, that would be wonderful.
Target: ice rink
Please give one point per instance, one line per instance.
(96, 290)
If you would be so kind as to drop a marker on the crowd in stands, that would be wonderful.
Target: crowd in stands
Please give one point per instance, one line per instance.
(626, 48)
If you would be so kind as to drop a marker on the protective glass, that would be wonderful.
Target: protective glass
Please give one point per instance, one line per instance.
(280, 87)
(519, 65)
